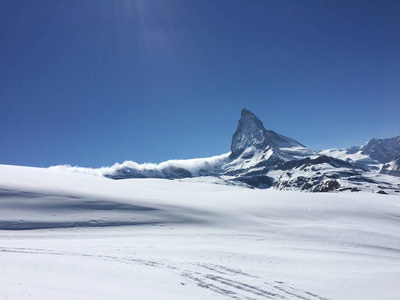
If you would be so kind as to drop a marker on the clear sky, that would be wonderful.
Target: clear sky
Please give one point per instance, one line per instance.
(94, 82)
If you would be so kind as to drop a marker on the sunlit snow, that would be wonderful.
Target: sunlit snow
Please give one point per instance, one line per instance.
(66, 235)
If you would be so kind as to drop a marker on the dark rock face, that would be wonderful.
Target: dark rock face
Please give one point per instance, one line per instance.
(258, 181)
(327, 186)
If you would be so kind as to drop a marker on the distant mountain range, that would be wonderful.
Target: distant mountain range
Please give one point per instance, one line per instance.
(261, 158)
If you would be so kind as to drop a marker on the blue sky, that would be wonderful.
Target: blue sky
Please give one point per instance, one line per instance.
(92, 83)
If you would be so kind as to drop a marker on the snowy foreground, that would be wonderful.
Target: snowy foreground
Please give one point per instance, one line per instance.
(67, 235)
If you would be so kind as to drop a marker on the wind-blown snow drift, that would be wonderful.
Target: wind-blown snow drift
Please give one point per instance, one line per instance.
(192, 165)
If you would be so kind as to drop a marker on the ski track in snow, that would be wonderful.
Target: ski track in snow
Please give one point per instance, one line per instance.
(225, 281)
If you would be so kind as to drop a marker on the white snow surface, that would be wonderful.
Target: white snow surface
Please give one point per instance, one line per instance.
(344, 155)
(66, 235)
(357, 157)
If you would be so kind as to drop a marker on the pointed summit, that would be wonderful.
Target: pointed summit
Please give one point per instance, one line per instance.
(246, 112)
(251, 132)
(250, 120)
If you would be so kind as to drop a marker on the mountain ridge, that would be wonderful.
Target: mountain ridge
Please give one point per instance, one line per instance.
(261, 158)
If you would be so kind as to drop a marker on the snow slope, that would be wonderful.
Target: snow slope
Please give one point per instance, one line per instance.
(68, 235)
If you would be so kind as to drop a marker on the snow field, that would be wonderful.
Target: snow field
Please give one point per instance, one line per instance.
(67, 235)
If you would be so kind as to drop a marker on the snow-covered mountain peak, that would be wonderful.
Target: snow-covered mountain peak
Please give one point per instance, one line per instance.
(383, 150)
(251, 133)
